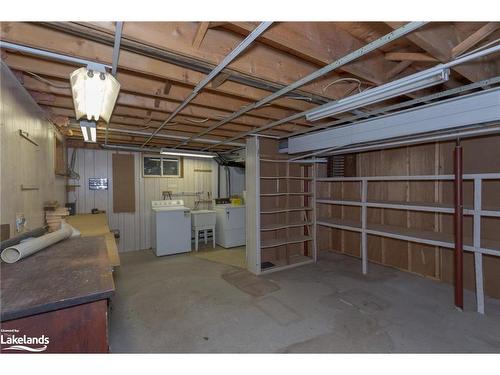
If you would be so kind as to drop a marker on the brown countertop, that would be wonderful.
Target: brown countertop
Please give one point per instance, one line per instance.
(69, 273)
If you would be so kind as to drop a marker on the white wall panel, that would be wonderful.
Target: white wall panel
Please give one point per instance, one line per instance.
(135, 228)
(23, 163)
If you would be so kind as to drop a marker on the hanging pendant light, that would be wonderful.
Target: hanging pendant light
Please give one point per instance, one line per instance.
(94, 93)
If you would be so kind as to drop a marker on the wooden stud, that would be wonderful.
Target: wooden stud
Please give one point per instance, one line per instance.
(474, 39)
(200, 34)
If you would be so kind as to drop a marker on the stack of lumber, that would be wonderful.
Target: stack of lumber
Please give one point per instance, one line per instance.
(54, 218)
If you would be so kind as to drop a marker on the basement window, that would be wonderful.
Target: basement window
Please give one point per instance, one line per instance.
(161, 166)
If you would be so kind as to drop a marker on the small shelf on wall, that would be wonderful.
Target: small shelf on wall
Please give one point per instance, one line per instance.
(25, 187)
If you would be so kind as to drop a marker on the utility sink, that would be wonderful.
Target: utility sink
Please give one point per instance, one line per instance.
(202, 218)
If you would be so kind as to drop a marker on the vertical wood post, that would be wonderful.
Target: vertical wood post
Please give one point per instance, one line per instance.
(364, 239)
(478, 257)
(458, 183)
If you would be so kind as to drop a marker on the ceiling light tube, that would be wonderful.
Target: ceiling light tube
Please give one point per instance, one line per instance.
(94, 93)
(390, 90)
(189, 153)
(89, 131)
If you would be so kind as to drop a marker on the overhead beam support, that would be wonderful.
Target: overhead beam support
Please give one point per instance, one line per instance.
(409, 103)
(473, 109)
(475, 38)
(49, 55)
(116, 47)
(408, 28)
(436, 39)
(225, 62)
(409, 56)
(200, 34)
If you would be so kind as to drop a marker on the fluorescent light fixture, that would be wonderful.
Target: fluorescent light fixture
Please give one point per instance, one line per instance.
(94, 93)
(89, 131)
(389, 90)
(194, 154)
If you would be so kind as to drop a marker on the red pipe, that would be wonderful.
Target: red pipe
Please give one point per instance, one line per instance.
(459, 227)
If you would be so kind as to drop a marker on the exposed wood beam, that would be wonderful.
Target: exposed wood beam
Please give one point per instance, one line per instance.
(409, 56)
(320, 43)
(49, 39)
(397, 69)
(200, 34)
(127, 115)
(219, 80)
(475, 38)
(140, 86)
(260, 61)
(438, 39)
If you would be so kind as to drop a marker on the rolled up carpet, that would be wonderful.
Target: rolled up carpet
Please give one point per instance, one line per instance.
(16, 252)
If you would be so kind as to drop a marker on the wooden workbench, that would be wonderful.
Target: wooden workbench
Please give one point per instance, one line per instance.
(61, 292)
(91, 225)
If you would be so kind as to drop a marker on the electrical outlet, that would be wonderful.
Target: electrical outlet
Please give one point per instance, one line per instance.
(20, 222)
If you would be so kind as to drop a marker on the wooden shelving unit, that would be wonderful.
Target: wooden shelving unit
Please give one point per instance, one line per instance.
(434, 238)
(281, 233)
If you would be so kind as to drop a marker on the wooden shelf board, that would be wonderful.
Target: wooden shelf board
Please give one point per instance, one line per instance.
(302, 193)
(410, 234)
(264, 244)
(294, 224)
(286, 177)
(280, 210)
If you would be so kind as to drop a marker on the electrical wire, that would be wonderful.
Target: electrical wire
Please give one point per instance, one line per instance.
(48, 82)
(198, 121)
(343, 80)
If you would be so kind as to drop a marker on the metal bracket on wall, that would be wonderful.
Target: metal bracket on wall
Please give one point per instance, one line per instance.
(26, 136)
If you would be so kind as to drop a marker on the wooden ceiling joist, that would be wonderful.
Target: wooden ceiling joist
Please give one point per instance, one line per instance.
(161, 62)
(475, 38)
(102, 33)
(409, 56)
(320, 43)
(260, 61)
(48, 39)
(438, 39)
(142, 86)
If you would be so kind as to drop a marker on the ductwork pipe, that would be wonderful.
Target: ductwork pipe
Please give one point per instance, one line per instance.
(29, 247)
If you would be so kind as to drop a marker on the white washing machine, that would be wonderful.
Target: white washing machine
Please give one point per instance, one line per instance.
(230, 225)
(171, 227)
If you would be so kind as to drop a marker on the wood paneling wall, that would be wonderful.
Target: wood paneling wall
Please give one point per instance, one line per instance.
(135, 228)
(481, 155)
(23, 163)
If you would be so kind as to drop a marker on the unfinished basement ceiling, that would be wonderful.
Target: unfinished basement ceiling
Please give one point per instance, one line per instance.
(160, 64)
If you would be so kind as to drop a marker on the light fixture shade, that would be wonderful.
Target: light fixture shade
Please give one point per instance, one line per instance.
(94, 94)
(89, 131)
(389, 90)
(194, 154)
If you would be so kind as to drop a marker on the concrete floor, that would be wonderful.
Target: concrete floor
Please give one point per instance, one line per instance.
(182, 304)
